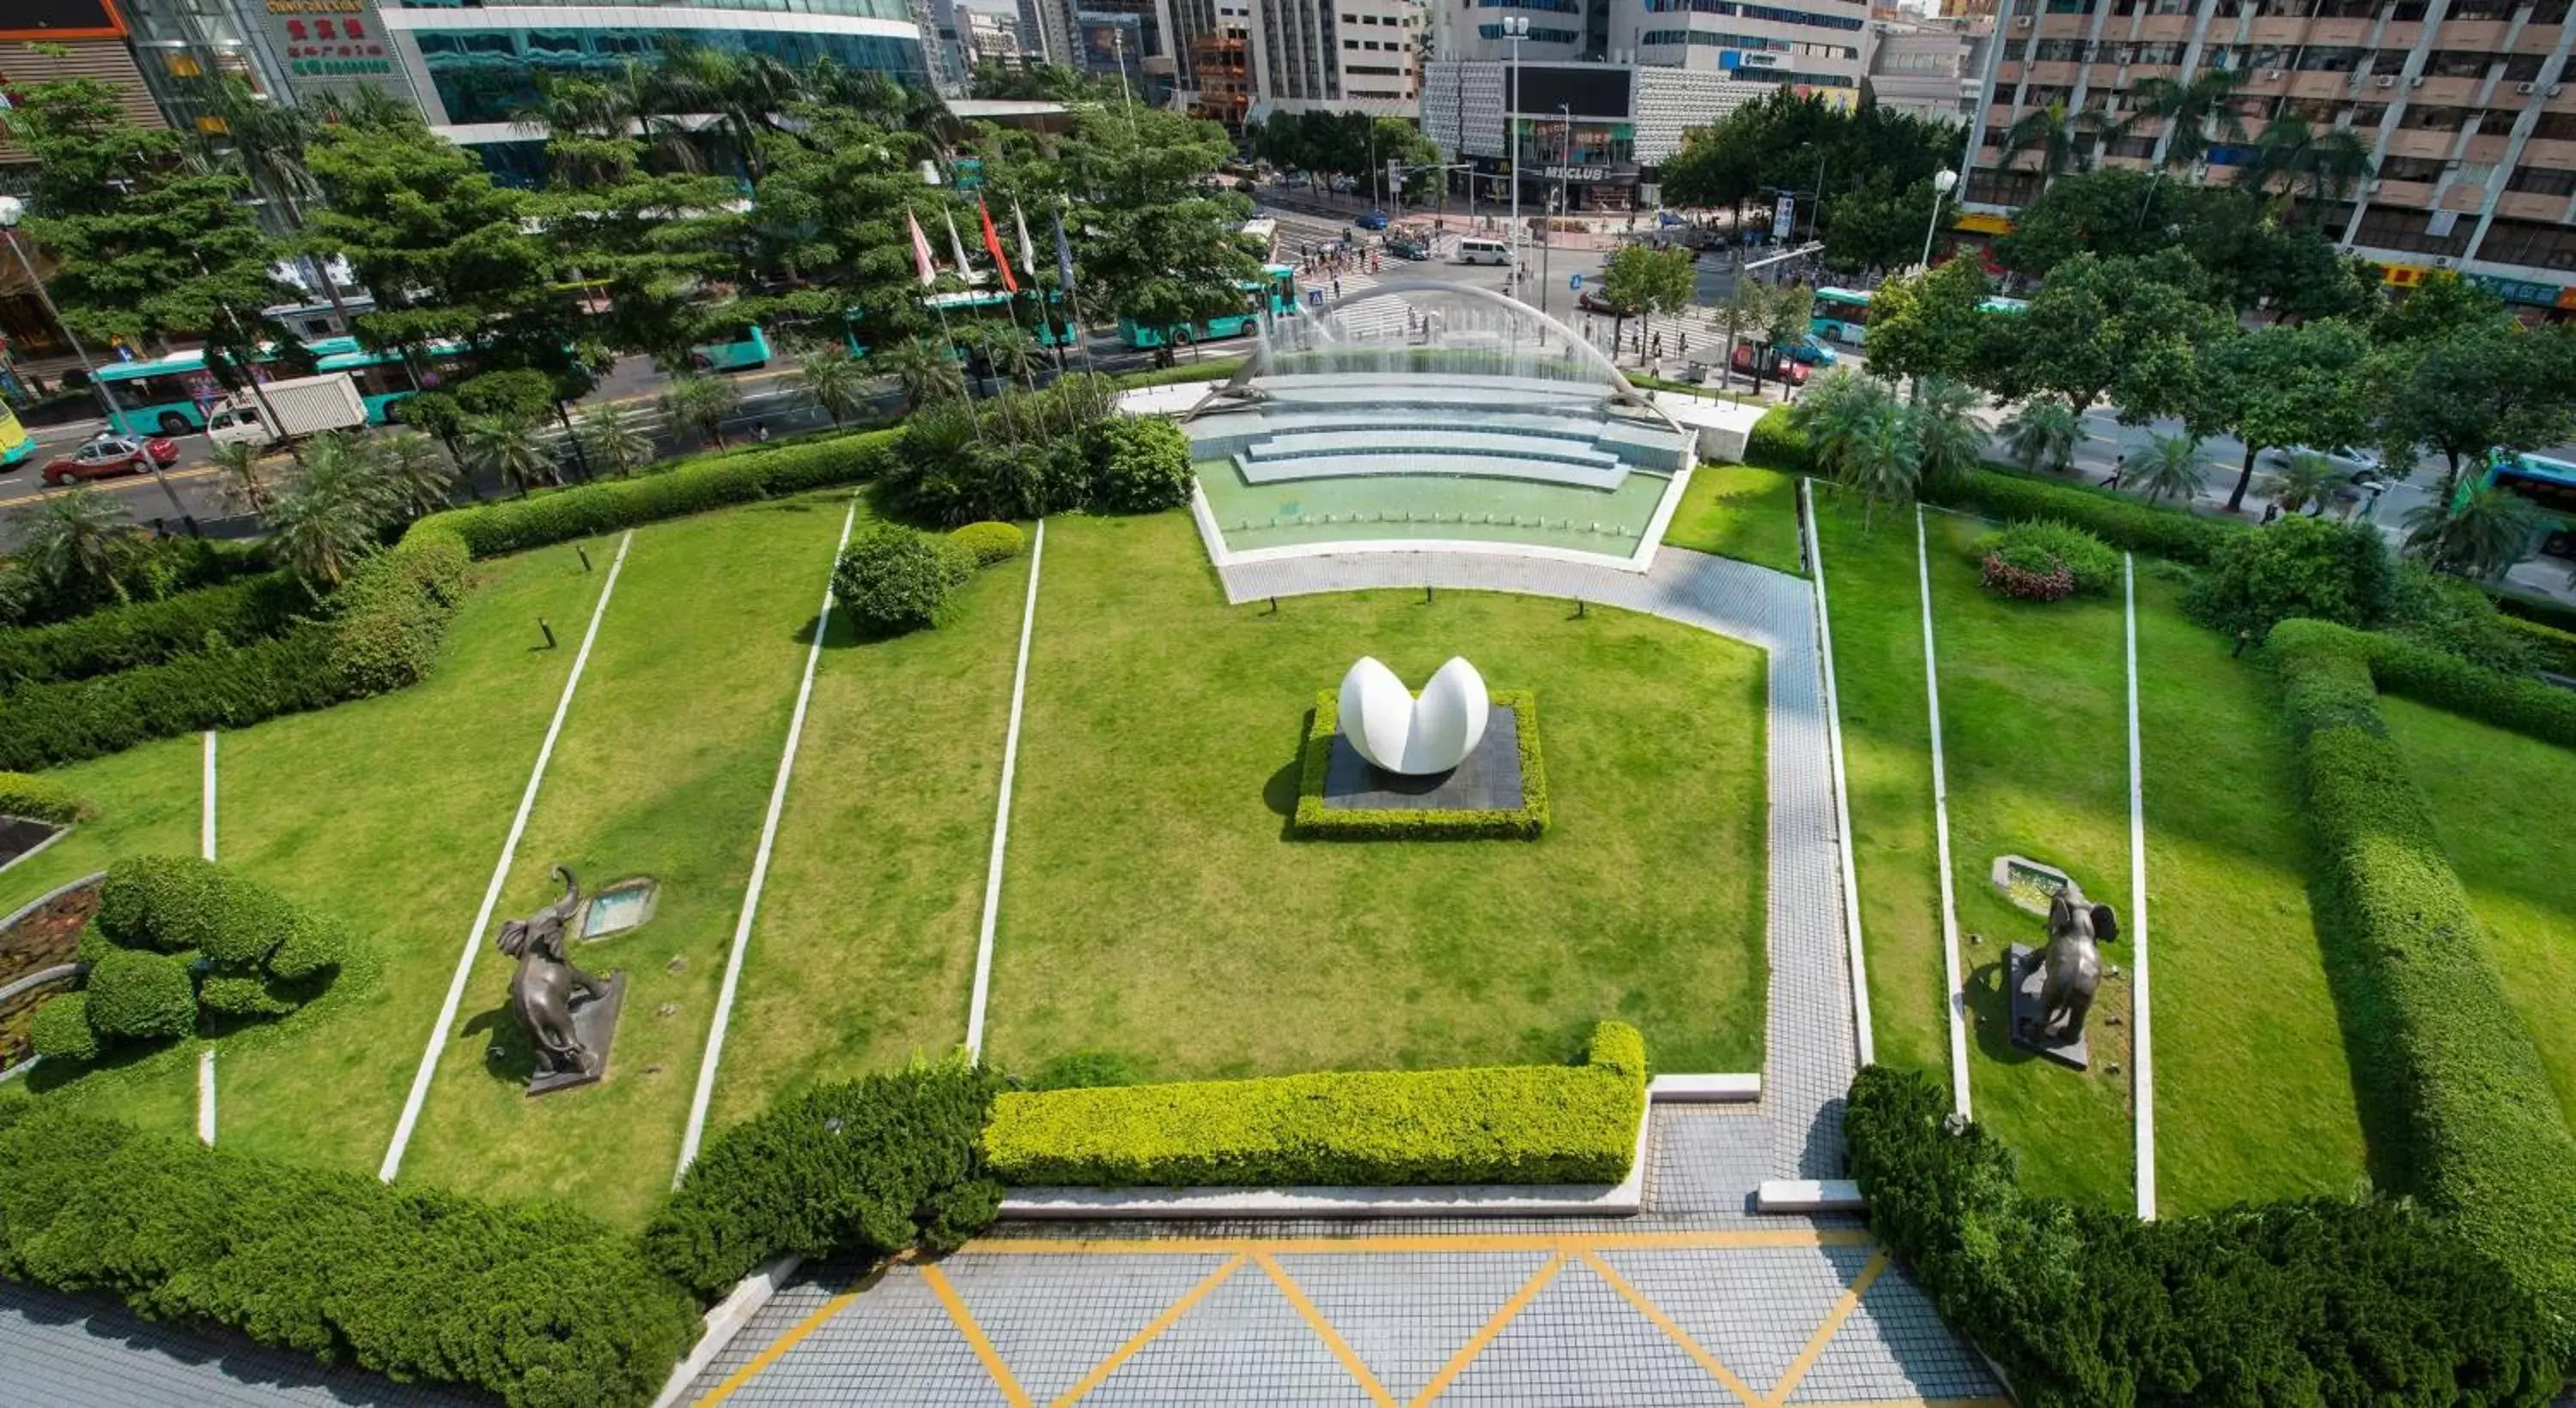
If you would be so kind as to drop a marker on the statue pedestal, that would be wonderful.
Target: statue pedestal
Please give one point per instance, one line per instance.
(2025, 974)
(595, 1022)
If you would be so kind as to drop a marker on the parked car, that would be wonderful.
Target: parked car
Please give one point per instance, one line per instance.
(1370, 220)
(2352, 462)
(1812, 352)
(1407, 247)
(111, 455)
(1749, 357)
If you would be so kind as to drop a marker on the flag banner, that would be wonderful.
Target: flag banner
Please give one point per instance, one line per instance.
(1028, 252)
(1063, 254)
(993, 247)
(957, 247)
(922, 267)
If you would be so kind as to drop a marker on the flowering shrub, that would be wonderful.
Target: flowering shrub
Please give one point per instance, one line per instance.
(2027, 573)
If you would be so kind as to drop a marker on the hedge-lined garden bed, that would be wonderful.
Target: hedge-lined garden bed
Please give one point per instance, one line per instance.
(1526, 822)
(1491, 1124)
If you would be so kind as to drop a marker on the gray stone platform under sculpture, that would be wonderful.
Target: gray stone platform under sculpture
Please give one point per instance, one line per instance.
(1489, 780)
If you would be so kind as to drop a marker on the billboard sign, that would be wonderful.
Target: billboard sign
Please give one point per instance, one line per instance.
(60, 19)
(331, 44)
(1784, 217)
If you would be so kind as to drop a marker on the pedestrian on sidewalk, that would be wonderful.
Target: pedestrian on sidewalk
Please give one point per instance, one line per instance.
(2119, 467)
(1337, 290)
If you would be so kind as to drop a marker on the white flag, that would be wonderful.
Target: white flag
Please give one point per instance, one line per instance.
(957, 247)
(1028, 252)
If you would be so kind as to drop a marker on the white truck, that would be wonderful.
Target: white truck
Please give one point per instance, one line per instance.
(305, 405)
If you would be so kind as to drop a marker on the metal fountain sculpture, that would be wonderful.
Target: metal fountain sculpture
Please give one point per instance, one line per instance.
(570, 1015)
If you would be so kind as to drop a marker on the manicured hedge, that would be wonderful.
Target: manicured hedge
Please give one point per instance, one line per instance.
(1527, 822)
(1492, 1124)
(1777, 443)
(690, 486)
(2432, 1028)
(991, 542)
(2313, 1302)
(2011, 496)
(52, 724)
(1208, 369)
(2446, 681)
(530, 1302)
(41, 798)
(394, 612)
(869, 1166)
(2554, 648)
(235, 613)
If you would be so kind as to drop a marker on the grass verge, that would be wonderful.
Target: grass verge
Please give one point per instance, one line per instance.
(1740, 512)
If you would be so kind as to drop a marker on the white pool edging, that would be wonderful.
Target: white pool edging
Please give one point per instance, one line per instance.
(1641, 560)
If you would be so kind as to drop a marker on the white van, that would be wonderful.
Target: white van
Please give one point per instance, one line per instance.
(1473, 250)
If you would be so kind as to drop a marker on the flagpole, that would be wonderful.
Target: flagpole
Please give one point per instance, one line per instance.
(1072, 296)
(926, 270)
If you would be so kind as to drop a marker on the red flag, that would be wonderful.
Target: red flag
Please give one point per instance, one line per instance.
(993, 247)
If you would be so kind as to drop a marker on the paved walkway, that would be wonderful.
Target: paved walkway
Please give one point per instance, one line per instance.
(1697, 1300)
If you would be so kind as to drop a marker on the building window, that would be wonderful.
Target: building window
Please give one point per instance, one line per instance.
(2456, 63)
(2536, 244)
(2411, 168)
(2388, 227)
(2542, 181)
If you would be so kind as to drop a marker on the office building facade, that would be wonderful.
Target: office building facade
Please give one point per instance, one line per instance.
(1590, 134)
(1336, 56)
(2462, 105)
(1814, 46)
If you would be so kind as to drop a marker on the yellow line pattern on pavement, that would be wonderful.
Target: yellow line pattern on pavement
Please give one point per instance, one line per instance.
(1569, 1243)
(1806, 1360)
(1484, 1335)
(964, 1320)
(1324, 1330)
(1145, 1336)
(1673, 1329)
(777, 1348)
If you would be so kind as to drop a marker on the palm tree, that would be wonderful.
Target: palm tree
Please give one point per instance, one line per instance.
(416, 478)
(2328, 163)
(2198, 114)
(2065, 141)
(2171, 468)
(1948, 443)
(75, 542)
(1009, 352)
(612, 435)
(327, 517)
(509, 450)
(2044, 434)
(2308, 478)
(925, 371)
(1827, 415)
(242, 488)
(1881, 458)
(2479, 535)
(831, 379)
(700, 403)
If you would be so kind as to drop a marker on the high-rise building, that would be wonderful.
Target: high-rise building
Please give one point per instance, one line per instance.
(2462, 105)
(989, 38)
(1589, 134)
(1337, 56)
(1930, 68)
(1046, 31)
(1814, 46)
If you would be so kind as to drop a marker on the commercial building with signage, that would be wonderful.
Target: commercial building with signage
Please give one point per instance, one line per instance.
(1595, 131)
(2464, 107)
(1816, 47)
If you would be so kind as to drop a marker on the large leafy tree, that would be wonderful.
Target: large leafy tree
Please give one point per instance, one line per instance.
(1929, 324)
(2130, 329)
(1640, 280)
(1877, 164)
(1153, 239)
(2466, 392)
(2289, 384)
(829, 228)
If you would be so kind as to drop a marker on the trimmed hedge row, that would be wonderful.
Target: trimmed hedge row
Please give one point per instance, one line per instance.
(2445, 681)
(869, 1166)
(2553, 648)
(2298, 1302)
(41, 798)
(534, 1303)
(1493, 1124)
(236, 613)
(1527, 822)
(1775, 442)
(2011, 496)
(692, 485)
(2484, 1140)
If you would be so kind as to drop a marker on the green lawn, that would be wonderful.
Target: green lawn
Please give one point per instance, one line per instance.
(664, 769)
(2034, 729)
(2501, 800)
(2242, 1001)
(1887, 763)
(1154, 906)
(1740, 512)
(865, 949)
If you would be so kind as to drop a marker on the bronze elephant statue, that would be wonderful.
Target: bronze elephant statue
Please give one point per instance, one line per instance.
(548, 987)
(2073, 965)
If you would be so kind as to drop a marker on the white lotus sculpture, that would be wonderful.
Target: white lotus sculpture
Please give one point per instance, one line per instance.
(1402, 734)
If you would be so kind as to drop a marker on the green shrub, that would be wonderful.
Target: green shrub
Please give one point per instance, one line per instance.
(237, 996)
(2447, 614)
(1083, 1070)
(2298, 566)
(1139, 464)
(2432, 1029)
(692, 485)
(2551, 649)
(151, 570)
(1495, 1124)
(529, 1302)
(2304, 1302)
(314, 945)
(140, 996)
(2010, 496)
(1208, 369)
(1775, 442)
(1527, 822)
(866, 1167)
(991, 542)
(2445, 681)
(892, 579)
(2025, 572)
(48, 725)
(41, 798)
(247, 931)
(2094, 564)
(234, 613)
(60, 1031)
(393, 613)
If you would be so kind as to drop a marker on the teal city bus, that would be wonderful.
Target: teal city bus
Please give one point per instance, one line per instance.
(2549, 486)
(961, 307)
(1843, 313)
(1274, 294)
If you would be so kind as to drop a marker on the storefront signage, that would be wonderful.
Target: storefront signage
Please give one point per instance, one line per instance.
(331, 44)
(2521, 290)
(1578, 173)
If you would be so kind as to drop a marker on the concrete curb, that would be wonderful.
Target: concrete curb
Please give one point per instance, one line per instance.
(1957, 1000)
(37, 849)
(1728, 1089)
(2141, 1057)
(1862, 1024)
(724, 1320)
(1808, 1195)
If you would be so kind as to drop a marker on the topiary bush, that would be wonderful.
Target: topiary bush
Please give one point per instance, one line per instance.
(265, 953)
(2094, 564)
(892, 579)
(59, 1030)
(139, 996)
(991, 542)
(866, 1167)
(2298, 566)
(237, 996)
(1139, 464)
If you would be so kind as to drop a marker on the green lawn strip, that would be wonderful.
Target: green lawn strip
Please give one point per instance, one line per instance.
(664, 769)
(2034, 720)
(865, 949)
(146, 799)
(2241, 998)
(1887, 763)
(1154, 908)
(388, 812)
(1740, 512)
(2500, 800)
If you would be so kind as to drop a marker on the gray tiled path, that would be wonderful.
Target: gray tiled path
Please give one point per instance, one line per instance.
(1697, 1300)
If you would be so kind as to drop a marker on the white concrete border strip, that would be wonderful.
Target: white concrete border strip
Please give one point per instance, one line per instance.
(206, 817)
(32, 851)
(705, 1094)
(1958, 997)
(2141, 1060)
(1859, 963)
(1002, 808)
(724, 1320)
(1723, 1089)
(206, 1092)
(1808, 1195)
(500, 875)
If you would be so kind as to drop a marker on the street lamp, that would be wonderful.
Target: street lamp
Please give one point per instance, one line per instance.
(1942, 181)
(1515, 29)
